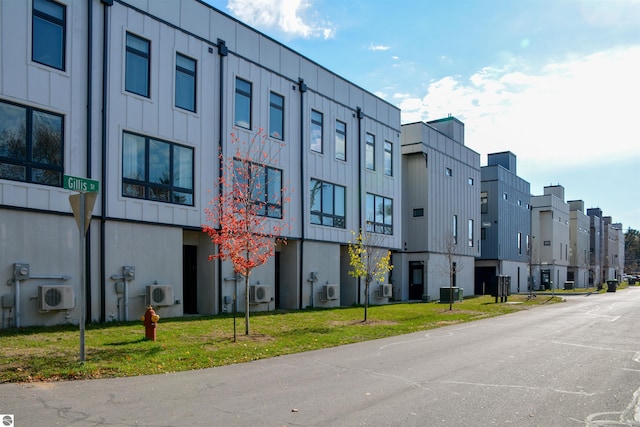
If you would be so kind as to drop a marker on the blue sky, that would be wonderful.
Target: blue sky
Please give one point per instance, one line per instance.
(557, 82)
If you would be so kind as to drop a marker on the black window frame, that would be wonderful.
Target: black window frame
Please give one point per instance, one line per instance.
(241, 94)
(370, 151)
(53, 170)
(38, 51)
(186, 80)
(268, 201)
(341, 140)
(317, 124)
(379, 222)
(150, 189)
(327, 215)
(388, 158)
(276, 116)
(131, 52)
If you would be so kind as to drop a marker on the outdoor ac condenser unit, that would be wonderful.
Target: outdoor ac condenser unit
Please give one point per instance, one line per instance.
(330, 292)
(56, 297)
(259, 293)
(386, 291)
(159, 295)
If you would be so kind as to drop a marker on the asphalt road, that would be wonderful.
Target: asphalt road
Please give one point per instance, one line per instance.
(570, 364)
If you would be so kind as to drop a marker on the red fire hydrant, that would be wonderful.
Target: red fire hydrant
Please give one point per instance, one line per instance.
(150, 320)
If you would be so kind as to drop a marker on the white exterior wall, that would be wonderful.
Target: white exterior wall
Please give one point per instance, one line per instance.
(150, 235)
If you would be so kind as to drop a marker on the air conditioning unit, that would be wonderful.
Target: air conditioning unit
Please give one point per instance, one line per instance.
(329, 292)
(56, 297)
(386, 291)
(159, 295)
(259, 293)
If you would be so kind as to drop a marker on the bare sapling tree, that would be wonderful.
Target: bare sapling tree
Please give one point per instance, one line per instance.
(245, 219)
(369, 261)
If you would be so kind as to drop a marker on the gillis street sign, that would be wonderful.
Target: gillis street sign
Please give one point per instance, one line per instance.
(83, 185)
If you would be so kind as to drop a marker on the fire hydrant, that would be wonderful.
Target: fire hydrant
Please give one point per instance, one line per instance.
(150, 320)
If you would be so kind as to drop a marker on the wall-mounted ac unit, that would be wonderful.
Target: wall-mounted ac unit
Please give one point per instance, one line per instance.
(386, 290)
(259, 293)
(159, 295)
(56, 297)
(330, 292)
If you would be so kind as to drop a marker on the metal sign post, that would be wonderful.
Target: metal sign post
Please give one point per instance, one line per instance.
(82, 206)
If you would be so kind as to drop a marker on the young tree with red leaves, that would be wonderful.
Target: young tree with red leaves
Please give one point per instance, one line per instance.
(246, 215)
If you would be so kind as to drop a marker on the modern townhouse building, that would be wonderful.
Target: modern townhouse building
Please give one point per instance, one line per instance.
(441, 213)
(505, 230)
(613, 260)
(143, 97)
(596, 246)
(549, 238)
(579, 238)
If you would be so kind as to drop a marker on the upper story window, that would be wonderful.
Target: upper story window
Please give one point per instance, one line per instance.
(454, 234)
(31, 145)
(276, 116)
(519, 242)
(484, 202)
(418, 212)
(137, 68)
(185, 83)
(470, 236)
(316, 131)
(370, 152)
(49, 33)
(261, 184)
(327, 204)
(379, 214)
(388, 158)
(471, 181)
(505, 196)
(341, 140)
(448, 171)
(243, 104)
(153, 169)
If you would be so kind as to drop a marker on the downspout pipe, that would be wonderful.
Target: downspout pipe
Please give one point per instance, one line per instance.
(360, 117)
(89, 127)
(302, 88)
(103, 166)
(223, 51)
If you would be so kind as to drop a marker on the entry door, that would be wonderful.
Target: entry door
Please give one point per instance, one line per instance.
(545, 279)
(190, 279)
(416, 280)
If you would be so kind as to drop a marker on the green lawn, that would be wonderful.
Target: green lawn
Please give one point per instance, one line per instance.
(119, 349)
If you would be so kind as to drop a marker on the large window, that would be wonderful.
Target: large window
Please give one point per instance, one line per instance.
(519, 242)
(341, 140)
(276, 116)
(379, 214)
(370, 152)
(137, 65)
(388, 158)
(470, 236)
(156, 170)
(327, 204)
(185, 82)
(31, 145)
(243, 104)
(262, 185)
(316, 131)
(484, 202)
(49, 33)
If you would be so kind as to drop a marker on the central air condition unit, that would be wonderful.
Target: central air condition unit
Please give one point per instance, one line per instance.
(329, 292)
(386, 290)
(259, 293)
(159, 295)
(56, 297)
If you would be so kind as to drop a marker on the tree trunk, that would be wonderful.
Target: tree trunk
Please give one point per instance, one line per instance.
(366, 298)
(246, 305)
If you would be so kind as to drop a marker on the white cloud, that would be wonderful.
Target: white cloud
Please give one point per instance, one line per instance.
(575, 111)
(378, 47)
(289, 16)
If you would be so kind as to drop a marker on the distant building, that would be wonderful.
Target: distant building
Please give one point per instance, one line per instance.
(550, 238)
(613, 267)
(505, 228)
(441, 213)
(579, 245)
(596, 246)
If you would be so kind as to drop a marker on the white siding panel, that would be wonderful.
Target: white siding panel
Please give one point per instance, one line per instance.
(270, 54)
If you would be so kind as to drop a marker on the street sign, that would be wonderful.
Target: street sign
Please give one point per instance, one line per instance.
(83, 185)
